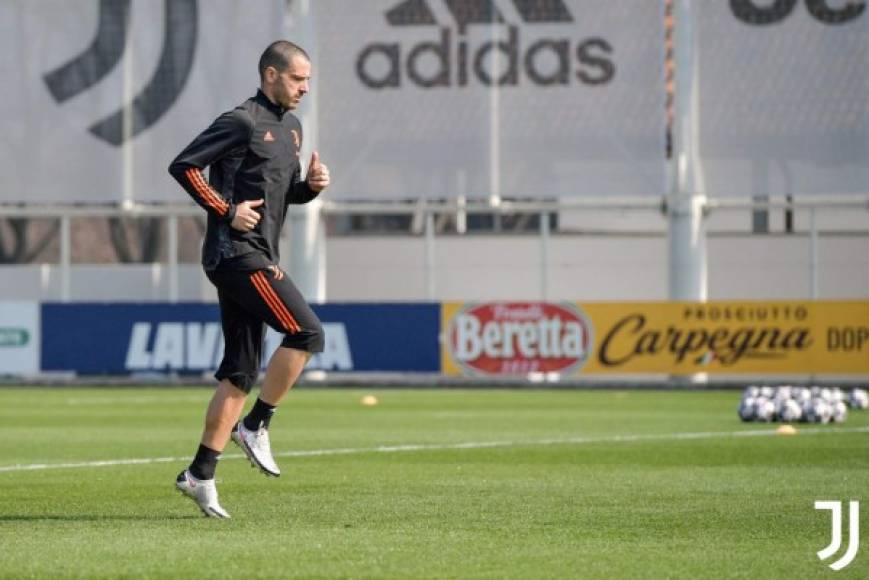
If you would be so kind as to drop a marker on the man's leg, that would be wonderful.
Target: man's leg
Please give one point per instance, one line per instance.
(222, 415)
(251, 434)
(276, 300)
(243, 335)
(282, 373)
(197, 481)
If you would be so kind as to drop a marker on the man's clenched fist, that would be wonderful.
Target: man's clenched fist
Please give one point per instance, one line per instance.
(246, 217)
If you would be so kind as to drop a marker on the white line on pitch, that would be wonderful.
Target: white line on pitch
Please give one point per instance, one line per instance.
(448, 446)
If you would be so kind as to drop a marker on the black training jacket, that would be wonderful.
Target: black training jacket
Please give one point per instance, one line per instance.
(253, 153)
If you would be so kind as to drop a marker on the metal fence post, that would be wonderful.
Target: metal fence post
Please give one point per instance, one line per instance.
(172, 265)
(544, 255)
(813, 253)
(65, 258)
(429, 254)
(687, 229)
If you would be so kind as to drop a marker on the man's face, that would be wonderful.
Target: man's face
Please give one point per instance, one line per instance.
(290, 85)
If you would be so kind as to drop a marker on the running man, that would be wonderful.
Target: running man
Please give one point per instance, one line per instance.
(253, 155)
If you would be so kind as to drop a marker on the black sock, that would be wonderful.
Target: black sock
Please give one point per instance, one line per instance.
(204, 463)
(260, 414)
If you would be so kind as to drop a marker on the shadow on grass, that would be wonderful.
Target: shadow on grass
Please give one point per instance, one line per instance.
(93, 518)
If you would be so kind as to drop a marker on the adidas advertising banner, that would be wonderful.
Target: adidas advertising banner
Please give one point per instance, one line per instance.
(490, 339)
(19, 338)
(784, 88)
(515, 98)
(99, 97)
(141, 339)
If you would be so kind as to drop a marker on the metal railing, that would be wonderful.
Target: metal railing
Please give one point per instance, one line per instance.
(424, 212)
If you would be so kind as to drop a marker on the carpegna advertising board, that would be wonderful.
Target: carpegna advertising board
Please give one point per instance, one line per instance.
(776, 337)
(123, 339)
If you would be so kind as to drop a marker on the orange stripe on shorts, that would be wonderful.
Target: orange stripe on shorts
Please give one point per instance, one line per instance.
(273, 302)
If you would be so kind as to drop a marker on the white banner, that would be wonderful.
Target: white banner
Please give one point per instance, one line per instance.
(784, 96)
(516, 98)
(19, 338)
(68, 67)
(437, 98)
(413, 97)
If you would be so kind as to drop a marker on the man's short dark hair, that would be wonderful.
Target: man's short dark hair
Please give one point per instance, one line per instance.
(279, 55)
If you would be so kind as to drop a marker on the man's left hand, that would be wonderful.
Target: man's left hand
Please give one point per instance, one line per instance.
(318, 174)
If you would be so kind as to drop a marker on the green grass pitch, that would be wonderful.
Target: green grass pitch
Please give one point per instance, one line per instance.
(426, 484)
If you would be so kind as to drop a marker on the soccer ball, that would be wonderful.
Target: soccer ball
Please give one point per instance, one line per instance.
(802, 395)
(784, 392)
(858, 399)
(819, 411)
(806, 407)
(779, 404)
(840, 412)
(764, 410)
(790, 411)
(782, 396)
(746, 408)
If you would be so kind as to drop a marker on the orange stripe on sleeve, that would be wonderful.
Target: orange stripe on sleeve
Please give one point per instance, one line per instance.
(217, 202)
(221, 205)
(194, 176)
(191, 176)
(208, 195)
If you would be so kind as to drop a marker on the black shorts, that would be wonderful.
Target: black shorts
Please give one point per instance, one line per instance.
(249, 299)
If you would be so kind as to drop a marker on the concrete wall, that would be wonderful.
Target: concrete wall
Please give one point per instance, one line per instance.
(592, 267)
(489, 267)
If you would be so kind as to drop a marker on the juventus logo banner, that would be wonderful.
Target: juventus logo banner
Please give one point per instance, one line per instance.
(99, 95)
(784, 88)
(515, 98)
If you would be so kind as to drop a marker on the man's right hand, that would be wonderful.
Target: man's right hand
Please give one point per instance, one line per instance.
(246, 217)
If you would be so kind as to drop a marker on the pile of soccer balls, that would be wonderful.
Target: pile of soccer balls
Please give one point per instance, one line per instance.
(791, 404)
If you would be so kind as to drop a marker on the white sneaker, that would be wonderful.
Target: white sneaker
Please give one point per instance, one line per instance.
(257, 447)
(203, 492)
